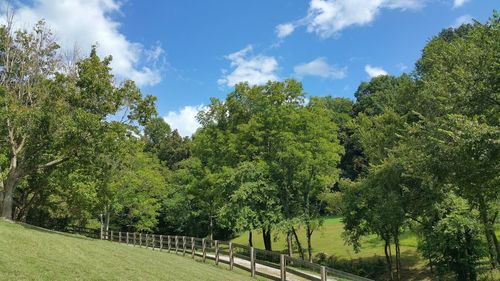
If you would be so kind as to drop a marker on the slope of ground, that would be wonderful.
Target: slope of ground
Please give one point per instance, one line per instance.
(28, 253)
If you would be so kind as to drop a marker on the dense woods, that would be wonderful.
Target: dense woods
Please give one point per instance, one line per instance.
(418, 152)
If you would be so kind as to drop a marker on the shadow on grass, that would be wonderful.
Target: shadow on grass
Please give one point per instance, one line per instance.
(45, 230)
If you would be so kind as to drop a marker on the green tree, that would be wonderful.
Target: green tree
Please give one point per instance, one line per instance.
(271, 127)
(377, 205)
(451, 238)
(460, 87)
(166, 144)
(52, 117)
(254, 204)
(137, 189)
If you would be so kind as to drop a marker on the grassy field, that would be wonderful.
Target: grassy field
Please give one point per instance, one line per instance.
(328, 240)
(28, 253)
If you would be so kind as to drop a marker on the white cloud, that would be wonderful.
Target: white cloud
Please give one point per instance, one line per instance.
(285, 29)
(401, 66)
(320, 67)
(86, 22)
(462, 20)
(327, 18)
(459, 3)
(184, 120)
(374, 71)
(155, 53)
(256, 70)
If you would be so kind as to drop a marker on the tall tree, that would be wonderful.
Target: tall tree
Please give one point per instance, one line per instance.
(49, 116)
(460, 87)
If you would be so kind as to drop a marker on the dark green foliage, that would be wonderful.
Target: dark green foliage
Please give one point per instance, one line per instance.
(166, 144)
(451, 238)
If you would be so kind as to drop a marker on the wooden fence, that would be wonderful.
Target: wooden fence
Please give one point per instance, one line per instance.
(268, 264)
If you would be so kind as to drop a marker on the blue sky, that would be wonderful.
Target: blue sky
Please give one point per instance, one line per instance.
(185, 52)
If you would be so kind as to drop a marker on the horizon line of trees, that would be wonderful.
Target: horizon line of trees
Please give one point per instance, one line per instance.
(419, 152)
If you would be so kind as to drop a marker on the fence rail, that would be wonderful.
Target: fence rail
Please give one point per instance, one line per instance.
(268, 264)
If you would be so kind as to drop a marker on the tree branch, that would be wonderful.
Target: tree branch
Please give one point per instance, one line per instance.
(21, 145)
(52, 163)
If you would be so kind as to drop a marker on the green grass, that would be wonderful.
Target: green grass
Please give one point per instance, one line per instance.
(29, 253)
(328, 240)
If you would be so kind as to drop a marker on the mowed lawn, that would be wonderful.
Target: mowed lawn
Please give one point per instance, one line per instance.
(28, 253)
(328, 239)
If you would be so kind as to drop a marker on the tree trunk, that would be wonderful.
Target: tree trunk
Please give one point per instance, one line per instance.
(299, 245)
(309, 244)
(495, 239)
(1, 190)
(289, 242)
(211, 228)
(250, 240)
(469, 271)
(106, 220)
(489, 232)
(7, 204)
(24, 205)
(497, 247)
(8, 196)
(430, 264)
(266, 235)
(398, 257)
(388, 257)
(102, 227)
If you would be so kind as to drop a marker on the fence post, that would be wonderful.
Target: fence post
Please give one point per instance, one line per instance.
(111, 237)
(252, 261)
(183, 245)
(127, 238)
(323, 273)
(140, 239)
(231, 259)
(216, 252)
(119, 237)
(192, 247)
(204, 246)
(153, 242)
(134, 239)
(147, 240)
(161, 242)
(283, 267)
(168, 243)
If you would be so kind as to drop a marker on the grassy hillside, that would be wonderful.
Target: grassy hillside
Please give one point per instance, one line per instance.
(28, 253)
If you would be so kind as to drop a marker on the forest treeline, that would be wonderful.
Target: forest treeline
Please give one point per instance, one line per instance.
(419, 151)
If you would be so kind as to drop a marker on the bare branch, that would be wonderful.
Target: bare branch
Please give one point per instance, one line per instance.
(21, 145)
(52, 163)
